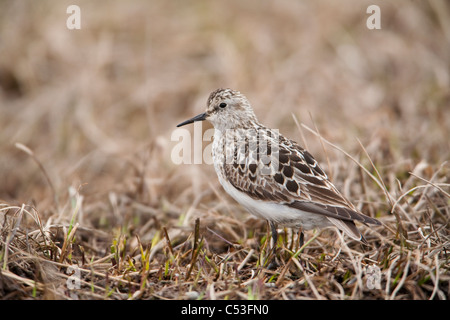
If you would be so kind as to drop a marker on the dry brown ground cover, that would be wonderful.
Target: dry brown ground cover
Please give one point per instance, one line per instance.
(93, 207)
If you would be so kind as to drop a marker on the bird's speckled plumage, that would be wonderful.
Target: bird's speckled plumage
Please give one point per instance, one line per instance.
(270, 175)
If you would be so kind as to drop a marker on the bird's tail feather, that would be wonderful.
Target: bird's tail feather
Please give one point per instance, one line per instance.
(349, 228)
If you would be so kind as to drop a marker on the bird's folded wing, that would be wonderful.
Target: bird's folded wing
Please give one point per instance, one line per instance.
(292, 177)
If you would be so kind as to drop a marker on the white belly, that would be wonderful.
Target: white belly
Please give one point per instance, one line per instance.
(278, 213)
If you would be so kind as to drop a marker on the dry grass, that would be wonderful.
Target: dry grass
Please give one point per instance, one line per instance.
(89, 191)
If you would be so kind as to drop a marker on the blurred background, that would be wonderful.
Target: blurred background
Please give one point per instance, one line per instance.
(97, 106)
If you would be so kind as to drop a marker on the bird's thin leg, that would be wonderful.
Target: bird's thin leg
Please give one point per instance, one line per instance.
(301, 237)
(301, 241)
(273, 264)
(273, 228)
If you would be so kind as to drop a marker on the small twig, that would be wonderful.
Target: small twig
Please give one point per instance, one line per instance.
(196, 247)
(244, 262)
(437, 186)
(196, 234)
(305, 143)
(402, 280)
(220, 237)
(166, 235)
(67, 241)
(330, 169)
(11, 236)
(388, 195)
(30, 152)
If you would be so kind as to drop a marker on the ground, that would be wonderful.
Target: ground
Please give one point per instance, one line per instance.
(94, 206)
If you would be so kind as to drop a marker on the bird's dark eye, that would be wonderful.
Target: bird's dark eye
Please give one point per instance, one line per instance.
(223, 105)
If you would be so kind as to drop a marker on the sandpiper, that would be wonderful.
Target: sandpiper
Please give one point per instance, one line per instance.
(273, 177)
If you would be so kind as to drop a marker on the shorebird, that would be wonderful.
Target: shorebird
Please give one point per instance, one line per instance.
(271, 176)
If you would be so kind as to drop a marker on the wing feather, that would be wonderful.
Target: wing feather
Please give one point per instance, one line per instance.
(293, 178)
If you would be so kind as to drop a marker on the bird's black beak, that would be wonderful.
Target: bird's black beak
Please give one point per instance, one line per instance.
(200, 117)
